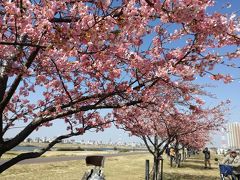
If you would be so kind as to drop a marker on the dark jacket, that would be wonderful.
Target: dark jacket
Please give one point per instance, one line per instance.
(206, 154)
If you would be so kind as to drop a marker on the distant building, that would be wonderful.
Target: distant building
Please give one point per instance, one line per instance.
(28, 140)
(224, 141)
(38, 140)
(233, 135)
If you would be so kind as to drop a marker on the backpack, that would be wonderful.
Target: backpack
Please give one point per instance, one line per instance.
(207, 155)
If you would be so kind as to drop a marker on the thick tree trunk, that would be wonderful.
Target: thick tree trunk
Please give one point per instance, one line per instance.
(1, 131)
(183, 154)
(171, 161)
(155, 168)
(178, 156)
(156, 159)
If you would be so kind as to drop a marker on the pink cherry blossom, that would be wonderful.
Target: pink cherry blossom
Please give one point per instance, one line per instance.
(67, 60)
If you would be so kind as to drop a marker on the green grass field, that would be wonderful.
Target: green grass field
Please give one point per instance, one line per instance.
(116, 168)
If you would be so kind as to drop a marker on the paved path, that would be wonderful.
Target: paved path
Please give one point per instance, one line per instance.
(69, 158)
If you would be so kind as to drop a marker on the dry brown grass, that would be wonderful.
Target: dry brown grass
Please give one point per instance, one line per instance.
(66, 145)
(116, 168)
(12, 154)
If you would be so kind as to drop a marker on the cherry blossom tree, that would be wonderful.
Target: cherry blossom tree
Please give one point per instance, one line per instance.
(194, 140)
(68, 59)
(170, 119)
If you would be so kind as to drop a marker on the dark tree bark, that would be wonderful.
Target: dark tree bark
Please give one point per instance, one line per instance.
(158, 148)
(31, 155)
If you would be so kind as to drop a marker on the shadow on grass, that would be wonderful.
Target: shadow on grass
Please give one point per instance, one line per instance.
(200, 162)
(177, 176)
(196, 166)
(194, 161)
(191, 169)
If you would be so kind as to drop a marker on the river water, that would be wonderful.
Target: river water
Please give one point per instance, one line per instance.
(32, 148)
(25, 148)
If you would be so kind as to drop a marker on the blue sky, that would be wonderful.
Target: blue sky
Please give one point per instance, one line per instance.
(221, 90)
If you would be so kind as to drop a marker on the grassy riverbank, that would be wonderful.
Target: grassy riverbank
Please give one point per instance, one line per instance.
(12, 154)
(63, 145)
(62, 149)
(116, 168)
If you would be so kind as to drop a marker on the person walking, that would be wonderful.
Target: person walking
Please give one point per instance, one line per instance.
(207, 157)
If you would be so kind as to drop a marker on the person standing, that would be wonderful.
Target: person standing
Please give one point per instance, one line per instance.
(167, 151)
(207, 158)
(172, 155)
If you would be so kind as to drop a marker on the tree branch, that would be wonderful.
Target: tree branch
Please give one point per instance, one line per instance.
(161, 143)
(64, 20)
(61, 79)
(43, 119)
(149, 3)
(146, 143)
(22, 44)
(31, 155)
(17, 80)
